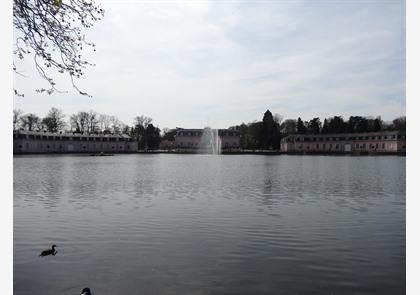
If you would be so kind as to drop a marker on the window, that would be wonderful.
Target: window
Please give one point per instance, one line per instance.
(383, 146)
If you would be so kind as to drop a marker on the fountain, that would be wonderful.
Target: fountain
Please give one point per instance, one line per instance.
(210, 142)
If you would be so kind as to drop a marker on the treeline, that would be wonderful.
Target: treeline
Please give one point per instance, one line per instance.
(89, 122)
(266, 134)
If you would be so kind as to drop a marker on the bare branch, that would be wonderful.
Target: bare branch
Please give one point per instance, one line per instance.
(51, 31)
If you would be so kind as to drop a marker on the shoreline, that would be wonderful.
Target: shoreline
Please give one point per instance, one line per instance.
(237, 152)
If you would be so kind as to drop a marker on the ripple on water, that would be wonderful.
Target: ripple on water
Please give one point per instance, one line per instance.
(177, 224)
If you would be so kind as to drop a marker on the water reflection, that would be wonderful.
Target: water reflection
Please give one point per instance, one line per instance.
(207, 224)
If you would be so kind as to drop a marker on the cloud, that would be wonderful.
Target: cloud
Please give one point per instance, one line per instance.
(194, 63)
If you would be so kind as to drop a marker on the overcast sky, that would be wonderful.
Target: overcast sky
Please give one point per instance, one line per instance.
(199, 63)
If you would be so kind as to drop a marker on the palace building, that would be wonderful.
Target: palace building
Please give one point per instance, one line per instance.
(372, 142)
(191, 138)
(45, 142)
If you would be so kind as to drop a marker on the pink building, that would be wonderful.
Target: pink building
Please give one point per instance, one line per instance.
(190, 138)
(372, 142)
(45, 142)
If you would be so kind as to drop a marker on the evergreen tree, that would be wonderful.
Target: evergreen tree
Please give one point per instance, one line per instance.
(314, 126)
(270, 137)
(301, 128)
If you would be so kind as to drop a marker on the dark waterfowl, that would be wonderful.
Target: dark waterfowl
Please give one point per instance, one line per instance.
(51, 251)
(86, 291)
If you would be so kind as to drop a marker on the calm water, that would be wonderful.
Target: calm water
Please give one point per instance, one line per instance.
(197, 224)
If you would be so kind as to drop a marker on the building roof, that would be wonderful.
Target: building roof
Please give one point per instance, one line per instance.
(347, 134)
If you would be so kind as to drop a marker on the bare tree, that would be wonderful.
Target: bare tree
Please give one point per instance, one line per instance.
(104, 122)
(80, 122)
(54, 121)
(30, 122)
(92, 121)
(17, 113)
(278, 118)
(50, 32)
(117, 126)
(142, 121)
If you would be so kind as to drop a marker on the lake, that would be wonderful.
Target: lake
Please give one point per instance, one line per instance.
(204, 224)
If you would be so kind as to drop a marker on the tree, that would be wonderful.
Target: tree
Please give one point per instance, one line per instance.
(301, 128)
(399, 123)
(117, 126)
(151, 137)
(336, 125)
(377, 124)
(140, 125)
(314, 126)
(255, 133)
(50, 32)
(80, 122)
(30, 122)
(278, 119)
(325, 127)
(54, 122)
(270, 137)
(104, 123)
(16, 118)
(143, 121)
(93, 121)
(289, 126)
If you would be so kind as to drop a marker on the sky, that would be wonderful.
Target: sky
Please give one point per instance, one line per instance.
(192, 64)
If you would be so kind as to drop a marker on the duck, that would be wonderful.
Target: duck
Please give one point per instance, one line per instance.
(51, 251)
(86, 291)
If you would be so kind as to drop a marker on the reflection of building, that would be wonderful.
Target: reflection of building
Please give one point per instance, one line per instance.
(43, 142)
(190, 138)
(373, 142)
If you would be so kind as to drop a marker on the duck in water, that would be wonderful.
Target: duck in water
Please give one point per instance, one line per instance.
(86, 291)
(51, 251)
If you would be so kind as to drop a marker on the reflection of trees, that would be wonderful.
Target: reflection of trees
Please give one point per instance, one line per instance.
(53, 182)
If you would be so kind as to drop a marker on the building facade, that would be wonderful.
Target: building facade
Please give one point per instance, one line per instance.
(191, 138)
(372, 142)
(44, 142)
